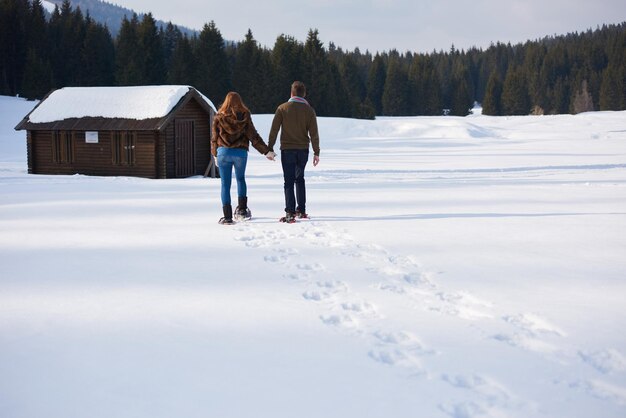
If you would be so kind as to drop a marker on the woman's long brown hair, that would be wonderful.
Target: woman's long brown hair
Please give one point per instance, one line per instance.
(233, 104)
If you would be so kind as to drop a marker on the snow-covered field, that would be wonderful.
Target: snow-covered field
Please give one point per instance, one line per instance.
(453, 267)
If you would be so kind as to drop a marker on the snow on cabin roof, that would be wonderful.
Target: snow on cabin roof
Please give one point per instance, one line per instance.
(142, 102)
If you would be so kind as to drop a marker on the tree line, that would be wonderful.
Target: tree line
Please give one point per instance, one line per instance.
(572, 73)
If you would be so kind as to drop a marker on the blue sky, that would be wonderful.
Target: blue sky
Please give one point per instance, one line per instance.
(380, 25)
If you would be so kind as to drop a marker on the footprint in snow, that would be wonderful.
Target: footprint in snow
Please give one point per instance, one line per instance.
(310, 266)
(391, 287)
(420, 279)
(606, 361)
(403, 339)
(325, 290)
(361, 308)
(333, 286)
(396, 357)
(462, 305)
(282, 255)
(340, 321)
(316, 296)
(277, 259)
(532, 333)
(534, 325)
(399, 349)
(260, 238)
(489, 397)
(326, 237)
(601, 390)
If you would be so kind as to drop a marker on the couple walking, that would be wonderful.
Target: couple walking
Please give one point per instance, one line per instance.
(233, 132)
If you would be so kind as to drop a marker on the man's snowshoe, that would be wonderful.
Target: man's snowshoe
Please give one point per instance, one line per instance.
(289, 218)
(302, 215)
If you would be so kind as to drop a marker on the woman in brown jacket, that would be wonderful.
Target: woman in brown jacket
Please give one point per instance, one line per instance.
(233, 131)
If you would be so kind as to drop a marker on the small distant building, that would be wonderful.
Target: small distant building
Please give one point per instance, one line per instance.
(146, 131)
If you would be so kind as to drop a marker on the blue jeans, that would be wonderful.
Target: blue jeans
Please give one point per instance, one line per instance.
(227, 158)
(293, 162)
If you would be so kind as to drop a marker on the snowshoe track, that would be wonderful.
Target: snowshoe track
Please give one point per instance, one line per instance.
(338, 292)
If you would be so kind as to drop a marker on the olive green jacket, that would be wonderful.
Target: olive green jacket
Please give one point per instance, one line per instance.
(297, 123)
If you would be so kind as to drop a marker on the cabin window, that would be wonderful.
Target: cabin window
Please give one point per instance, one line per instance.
(62, 147)
(123, 147)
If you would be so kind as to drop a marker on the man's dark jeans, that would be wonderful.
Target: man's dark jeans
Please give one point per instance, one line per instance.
(293, 162)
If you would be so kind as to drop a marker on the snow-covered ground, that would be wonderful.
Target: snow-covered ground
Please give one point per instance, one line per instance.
(453, 267)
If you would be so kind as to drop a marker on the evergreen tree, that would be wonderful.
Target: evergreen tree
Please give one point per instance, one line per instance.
(170, 37)
(376, 83)
(269, 99)
(213, 76)
(151, 58)
(37, 30)
(127, 55)
(582, 101)
(417, 85)
(554, 76)
(515, 99)
(492, 101)
(316, 75)
(287, 63)
(533, 59)
(339, 98)
(247, 72)
(461, 101)
(13, 44)
(37, 76)
(560, 96)
(98, 56)
(37, 79)
(460, 96)
(182, 67)
(612, 88)
(67, 33)
(395, 94)
(355, 87)
(434, 99)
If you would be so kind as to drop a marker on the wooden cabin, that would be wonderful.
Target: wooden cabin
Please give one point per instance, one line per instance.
(145, 131)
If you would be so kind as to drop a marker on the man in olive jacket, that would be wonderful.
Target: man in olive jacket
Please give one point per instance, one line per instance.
(297, 122)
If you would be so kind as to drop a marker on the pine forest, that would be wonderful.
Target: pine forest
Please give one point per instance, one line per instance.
(572, 73)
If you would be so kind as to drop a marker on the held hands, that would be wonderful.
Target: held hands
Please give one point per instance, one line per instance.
(271, 155)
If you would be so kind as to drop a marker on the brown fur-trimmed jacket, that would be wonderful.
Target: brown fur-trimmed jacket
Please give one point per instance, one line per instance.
(235, 131)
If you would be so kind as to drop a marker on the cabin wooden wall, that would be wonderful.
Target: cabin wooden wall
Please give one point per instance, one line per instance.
(202, 146)
(30, 156)
(92, 158)
(154, 152)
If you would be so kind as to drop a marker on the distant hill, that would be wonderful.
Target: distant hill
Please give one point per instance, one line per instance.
(110, 14)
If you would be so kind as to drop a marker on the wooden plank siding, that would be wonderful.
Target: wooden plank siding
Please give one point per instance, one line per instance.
(202, 145)
(94, 159)
(184, 139)
(170, 153)
(30, 154)
(160, 160)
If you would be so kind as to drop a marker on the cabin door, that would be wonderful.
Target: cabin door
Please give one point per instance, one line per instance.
(184, 142)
